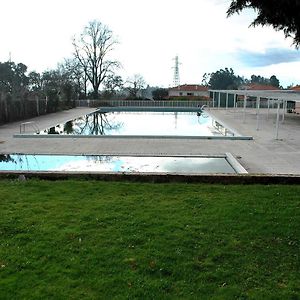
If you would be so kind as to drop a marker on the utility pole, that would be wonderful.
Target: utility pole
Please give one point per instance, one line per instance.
(176, 79)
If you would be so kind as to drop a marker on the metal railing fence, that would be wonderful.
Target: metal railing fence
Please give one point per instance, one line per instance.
(140, 103)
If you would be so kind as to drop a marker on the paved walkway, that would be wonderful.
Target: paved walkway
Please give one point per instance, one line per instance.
(264, 154)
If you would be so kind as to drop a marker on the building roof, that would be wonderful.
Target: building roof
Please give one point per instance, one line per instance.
(189, 87)
(259, 87)
(295, 88)
(288, 95)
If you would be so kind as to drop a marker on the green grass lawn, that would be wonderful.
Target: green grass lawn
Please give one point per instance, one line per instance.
(102, 240)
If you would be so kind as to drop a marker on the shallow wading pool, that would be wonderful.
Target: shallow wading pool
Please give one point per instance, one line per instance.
(219, 164)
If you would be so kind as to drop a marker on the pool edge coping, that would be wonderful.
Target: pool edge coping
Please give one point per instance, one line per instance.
(224, 179)
(231, 160)
(203, 137)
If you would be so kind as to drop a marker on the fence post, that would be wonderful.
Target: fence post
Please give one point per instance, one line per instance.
(37, 105)
(277, 119)
(257, 112)
(46, 104)
(226, 105)
(284, 104)
(245, 106)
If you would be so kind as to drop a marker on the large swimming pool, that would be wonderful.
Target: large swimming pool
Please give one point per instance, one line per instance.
(116, 123)
(116, 164)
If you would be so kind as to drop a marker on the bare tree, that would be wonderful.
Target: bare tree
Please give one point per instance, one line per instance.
(92, 51)
(135, 85)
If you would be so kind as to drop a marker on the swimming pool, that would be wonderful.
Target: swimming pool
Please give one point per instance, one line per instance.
(217, 164)
(125, 123)
(113, 122)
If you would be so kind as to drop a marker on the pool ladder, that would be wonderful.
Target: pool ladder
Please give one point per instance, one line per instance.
(32, 124)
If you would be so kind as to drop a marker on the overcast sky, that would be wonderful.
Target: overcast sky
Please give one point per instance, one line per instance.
(150, 33)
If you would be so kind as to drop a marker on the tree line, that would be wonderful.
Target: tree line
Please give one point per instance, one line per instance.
(24, 95)
(226, 79)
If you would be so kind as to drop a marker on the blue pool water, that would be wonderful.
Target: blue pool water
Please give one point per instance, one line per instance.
(121, 123)
(106, 163)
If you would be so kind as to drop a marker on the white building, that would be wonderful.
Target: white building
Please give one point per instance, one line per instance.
(189, 91)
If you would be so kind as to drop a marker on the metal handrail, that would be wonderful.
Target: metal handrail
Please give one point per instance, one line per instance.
(30, 123)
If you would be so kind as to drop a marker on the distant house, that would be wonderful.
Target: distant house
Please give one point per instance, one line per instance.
(189, 92)
(296, 109)
(256, 87)
(295, 88)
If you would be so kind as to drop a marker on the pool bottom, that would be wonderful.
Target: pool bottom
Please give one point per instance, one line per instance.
(219, 164)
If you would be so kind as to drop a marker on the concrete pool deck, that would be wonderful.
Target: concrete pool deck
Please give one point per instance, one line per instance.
(262, 155)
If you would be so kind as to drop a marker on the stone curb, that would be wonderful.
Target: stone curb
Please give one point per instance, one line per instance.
(157, 178)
